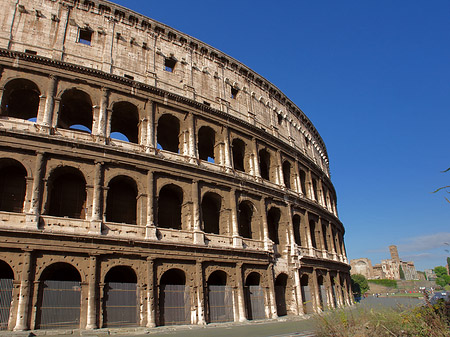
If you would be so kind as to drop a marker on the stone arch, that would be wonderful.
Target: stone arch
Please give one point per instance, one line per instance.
(273, 222)
(125, 121)
(238, 152)
(121, 201)
(288, 177)
(312, 230)
(174, 298)
(322, 291)
(66, 193)
(20, 99)
(264, 164)
(168, 133)
(254, 297)
(121, 297)
(207, 144)
(302, 176)
(246, 223)
(219, 298)
(59, 298)
(75, 111)
(296, 223)
(170, 202)
(280, 294)
(12, 185)
(305, 287)
(211, 208)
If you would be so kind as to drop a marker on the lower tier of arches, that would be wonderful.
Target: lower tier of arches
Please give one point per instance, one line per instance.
(90, 290)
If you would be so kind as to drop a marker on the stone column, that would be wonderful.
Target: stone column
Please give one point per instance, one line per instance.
(227, 151)
(150, 114)
(200, 294)
(330, 291)
(320, 191)
(25, 293)
(280, 175)
(237, 239)
(103, 116)
(256, 172)
(96, 219)
(150, 230)
(291, 235)
(199, 235)
(339, 298)
(55, 117)
(151, 312)
(268, 244)
(242, 317)
(271, 288)
(192, 140)
(316, 295)
(32, 218)
(298, 293)
(50, 103)
(91, 322)
(305, 221)
(298, 184)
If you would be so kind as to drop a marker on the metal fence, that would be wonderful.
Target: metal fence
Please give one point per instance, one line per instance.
(307, 302)
(60, 306)
(6, 288)
(121, 305)
(220, 303)
(280, 297)
(174, 302)
(255, 302)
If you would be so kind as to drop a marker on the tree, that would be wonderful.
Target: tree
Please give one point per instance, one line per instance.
(402, 274)
(359, 284)
(442, 278)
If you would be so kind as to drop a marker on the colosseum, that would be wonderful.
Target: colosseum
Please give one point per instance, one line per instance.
(149, 179)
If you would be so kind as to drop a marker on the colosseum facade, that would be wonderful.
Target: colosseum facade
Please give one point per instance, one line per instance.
(149, 179)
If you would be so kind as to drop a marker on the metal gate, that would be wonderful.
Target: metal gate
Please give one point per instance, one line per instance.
(220, 303)
(174, 304)
(255, 302)
(6, 288)
(121, 307)
(333, 290)
(280, 297)
(323, 296)
(307, 302)
(60, 304)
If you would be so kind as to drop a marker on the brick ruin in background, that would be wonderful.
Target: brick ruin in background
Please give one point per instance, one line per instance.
(144, 169)
(387, 269)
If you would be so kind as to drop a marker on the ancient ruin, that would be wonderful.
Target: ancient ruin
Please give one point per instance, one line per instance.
(149, 179)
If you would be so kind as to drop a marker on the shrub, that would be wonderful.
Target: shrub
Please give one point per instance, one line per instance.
(385, 282)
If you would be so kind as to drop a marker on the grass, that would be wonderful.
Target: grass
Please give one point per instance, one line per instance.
(424, 321)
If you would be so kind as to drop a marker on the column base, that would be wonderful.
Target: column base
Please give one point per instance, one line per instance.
(150, 233)
(199, 238)
(95, 227)
(237, 242)
(32, 220)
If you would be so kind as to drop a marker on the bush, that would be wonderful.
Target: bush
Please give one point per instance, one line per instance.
(425, 321)
(385, 283)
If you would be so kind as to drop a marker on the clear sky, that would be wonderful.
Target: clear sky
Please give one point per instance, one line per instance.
(374, 78)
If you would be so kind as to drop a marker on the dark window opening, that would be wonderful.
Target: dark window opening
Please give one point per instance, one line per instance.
(303, 182)
(31, 52)
(168, 131)
(206, 142)
(20, 99)
(264, 164)
(170, 201)
(12, 186)
(75, 110)
(234, 93)
(85, 36)
(287, 174)
(174, 277)
(245, 219)
(169, 64)
(280, 119)
(121, 274)
(297, 234)
(5, 273)
(253, 279)
(316, 192)
(129, 77)
(206, 103)
(280, 294)
(211, 204)
(121, 202)
(173, 302)
(124, 122)
(273, 219)
(312, 231)
(324, 233)
(67, 191)
(238, 149)
(217, 278)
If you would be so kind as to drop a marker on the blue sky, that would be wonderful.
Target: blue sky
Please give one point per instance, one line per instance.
(373, 77)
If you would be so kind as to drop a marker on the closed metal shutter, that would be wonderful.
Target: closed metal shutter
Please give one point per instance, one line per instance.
(121, 305)
(6, 288)
(220, 303)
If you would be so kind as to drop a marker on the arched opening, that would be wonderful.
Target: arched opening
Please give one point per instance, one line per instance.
(254, 295)
(211, 205)
(303, 182)
(333, 292)
(12, 185)
(168, 132)
(206, 143)
(20, 99)
(174, 299)
(124, 122)
(6, 289)
(121, 201)
(238, 149)
(121, 305)
(280, 294)
(75, 111)
(273, 220)
(220, 298)
(322, 292)
(264, 164)
(245, 219)
(170, 201)
(287, 174)
(324, 234)
(312, 231)
(306, 295)
(59, 297)
(67, 193)
(296, 224)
